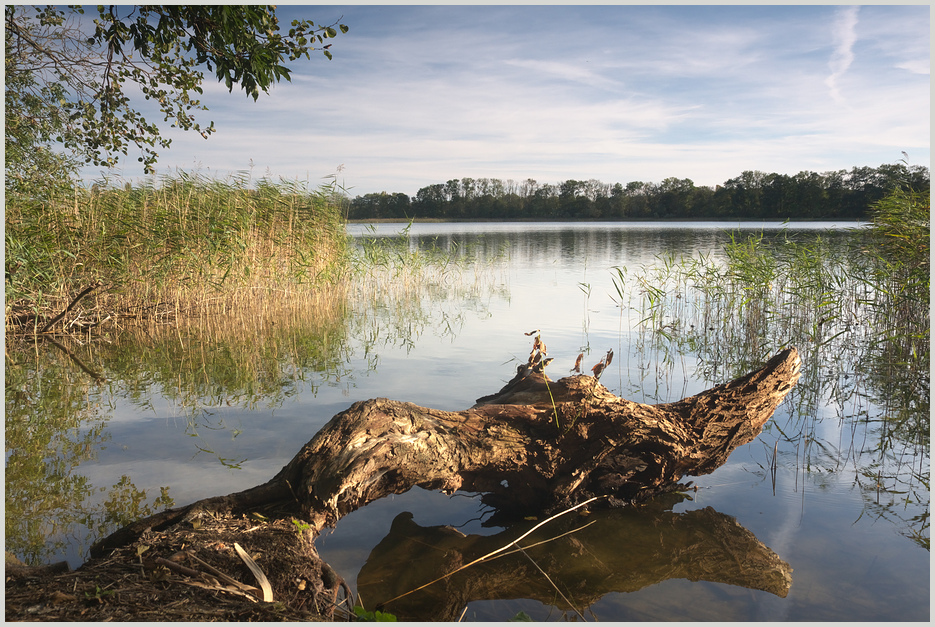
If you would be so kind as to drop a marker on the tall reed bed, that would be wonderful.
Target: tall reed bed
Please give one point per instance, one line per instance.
(182, 243)
(856, 307)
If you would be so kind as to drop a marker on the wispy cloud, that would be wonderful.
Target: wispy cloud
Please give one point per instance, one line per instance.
(564, 71)
(844, 36)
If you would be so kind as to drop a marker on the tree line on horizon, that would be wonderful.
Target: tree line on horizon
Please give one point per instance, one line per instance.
(756, 195)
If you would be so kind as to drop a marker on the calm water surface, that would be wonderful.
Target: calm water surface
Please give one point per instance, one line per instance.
(857, 551)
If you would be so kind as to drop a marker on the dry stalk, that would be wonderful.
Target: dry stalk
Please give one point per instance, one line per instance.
(498, 552)
(549, 579)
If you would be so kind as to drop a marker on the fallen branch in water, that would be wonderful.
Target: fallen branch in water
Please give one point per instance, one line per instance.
(536, 446)
(48, 325)
(508, 448)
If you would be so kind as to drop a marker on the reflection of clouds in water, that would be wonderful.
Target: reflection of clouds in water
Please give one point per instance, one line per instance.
(829, 427)
(769, 607)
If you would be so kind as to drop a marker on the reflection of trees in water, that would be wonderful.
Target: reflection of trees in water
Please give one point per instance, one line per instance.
(57, 414)
(865, 362)
(570, 563)
(56, 420)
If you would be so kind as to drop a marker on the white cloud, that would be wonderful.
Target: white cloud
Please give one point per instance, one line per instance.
(844, 36)
(425, 94)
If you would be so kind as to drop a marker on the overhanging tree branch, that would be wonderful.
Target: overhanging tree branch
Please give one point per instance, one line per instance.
(78, 79)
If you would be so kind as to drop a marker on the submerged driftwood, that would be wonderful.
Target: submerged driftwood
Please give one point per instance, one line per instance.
(536, 446)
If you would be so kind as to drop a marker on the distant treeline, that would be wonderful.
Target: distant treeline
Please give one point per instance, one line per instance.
(752, 195)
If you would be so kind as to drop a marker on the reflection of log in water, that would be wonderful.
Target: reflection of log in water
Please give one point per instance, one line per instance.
(622, 551)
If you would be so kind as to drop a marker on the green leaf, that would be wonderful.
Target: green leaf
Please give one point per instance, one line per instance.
(378, 616)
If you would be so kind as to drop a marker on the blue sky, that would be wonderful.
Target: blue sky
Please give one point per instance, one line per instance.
(417, 95)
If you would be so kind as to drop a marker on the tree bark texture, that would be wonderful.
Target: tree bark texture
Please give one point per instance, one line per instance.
(537, 445)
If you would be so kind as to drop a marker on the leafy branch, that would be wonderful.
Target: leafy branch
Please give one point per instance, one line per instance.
(69, 80)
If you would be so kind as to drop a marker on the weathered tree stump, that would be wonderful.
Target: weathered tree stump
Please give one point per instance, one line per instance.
(536, 446)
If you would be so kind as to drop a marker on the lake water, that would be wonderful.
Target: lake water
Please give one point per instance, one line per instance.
(846, 508)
